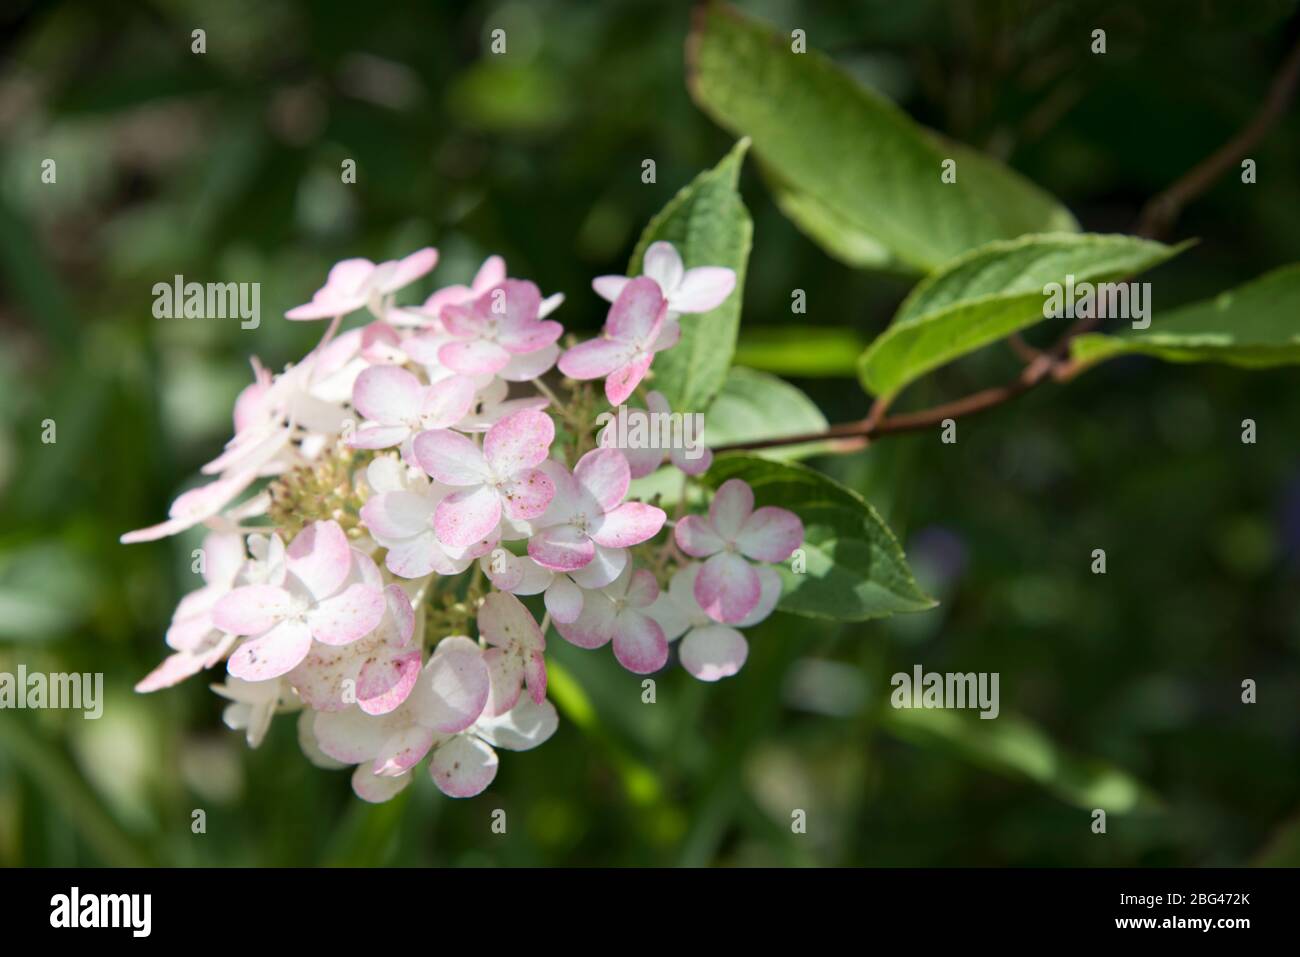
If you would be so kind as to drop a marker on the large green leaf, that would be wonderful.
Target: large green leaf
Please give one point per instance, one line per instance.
(855, 569)
(989, 293)
(754, 405)
(710, 226)
(847, 166)
(1254, 325)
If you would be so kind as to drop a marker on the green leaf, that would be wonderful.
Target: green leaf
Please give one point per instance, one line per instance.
(1255, 325)
(849, 168)
(855, 568)
(989, 293)
(1012, 746)
(710, 226)
(754, 405)
(811, 352)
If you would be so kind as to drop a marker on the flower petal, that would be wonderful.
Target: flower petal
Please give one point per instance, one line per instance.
(714, 652)
(377, 789)
(771, 534)
(450, 458)
(639, 642)
(385, 682)
(622, 382)
(594, 626)
(770, 588)
(637, 312)
(463, 767)
(605, 475)
(630, 524)
(563, 600)
(473, 357)
(273, 654)
(387, 394)
(519, 441)
(251, 609)
(727, 588)
(663, 264)
(454, 686)
(732, 505)
(320, 557)
(595, 358)
(696, 537)
(467, 517)
(525, 726)
(561, 548)
(702, 289)
(608, 287)
(347, 617)
(504, 621)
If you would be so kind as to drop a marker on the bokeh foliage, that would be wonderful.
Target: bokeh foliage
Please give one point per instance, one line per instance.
(1119, 691)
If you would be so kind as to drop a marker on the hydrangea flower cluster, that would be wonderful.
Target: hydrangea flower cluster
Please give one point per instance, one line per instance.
(423, 480)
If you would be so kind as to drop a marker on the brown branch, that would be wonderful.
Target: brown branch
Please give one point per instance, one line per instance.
(1160, 213)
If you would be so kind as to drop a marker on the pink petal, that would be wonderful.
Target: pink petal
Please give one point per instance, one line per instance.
(525, 726)
(770, 587)
(446, 402)
(530, 365)
(387, 394)
(622, 382)
(377, 789)
(348, 617)
(273, 654)
(467, 517)
(605, 566)
(595, 358)
(630, 524)
(519, 441)
(410, 268)
(506, 672)
(702, 289)
(173, 670)
(473, 357)
(732, 504)
(450, 458)
(563, 600)
(561, 548)
(503, 620)
(692, 461)
(670, 333)
(531, 338)
(727, 588)
(195, 506)
(605, 474)
(350, 736)
(463, 767)
(455, 686)
(528, 495)
(638, 312)
(696, 537)
(639, 643)
(535, 676)
(714, 652)
(643, 589)
(771, 534)
(398, 514)
(663, 264)
(492, 272)
(379, 436)
(320, 558)
(608, 287)
(402, 751)
(252, 609)
(594, 627)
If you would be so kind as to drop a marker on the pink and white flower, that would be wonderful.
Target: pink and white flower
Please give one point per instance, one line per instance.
(727, 587)
(397, 405)
(687, 290)
(710, 651)
(635, 329)
(253, 704)
(644, 459)
(354, 283)
(400, 517)
(619, 612)
(330, 593)
(588, 521)
(500, 478)
(498, 327)
(515, 656)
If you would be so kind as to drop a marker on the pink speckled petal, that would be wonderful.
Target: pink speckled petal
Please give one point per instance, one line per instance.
(273, 654)
(506, 675)
(605, 475)
(639, 642)
(320, 557)
(450, 458)
(467, 517)
(770, 534)
(561, 548)
(402, 751)
(385, 682)
(727, 588)
(387, 394)
(252, 609)
(519, 441)
(173, 670)
(714, 652)
(347, 617)
(463, 767)
(630, 524)
(504, 621)
(446, 402)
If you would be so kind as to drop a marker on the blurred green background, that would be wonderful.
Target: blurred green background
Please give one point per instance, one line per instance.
(1119, 691)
